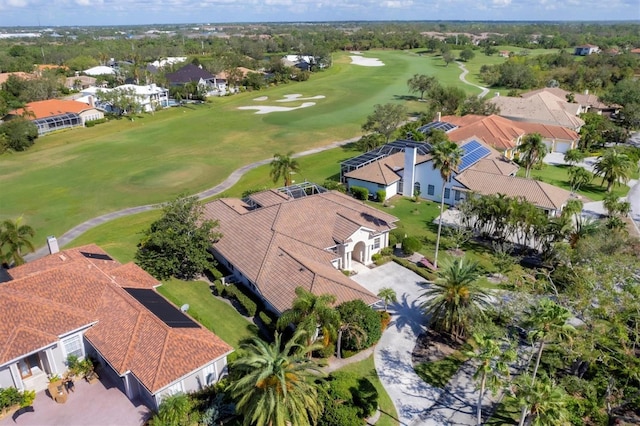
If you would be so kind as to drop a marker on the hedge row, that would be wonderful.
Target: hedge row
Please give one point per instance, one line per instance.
(423, 272)
(359, 192)
(94, 122)
(233, 291)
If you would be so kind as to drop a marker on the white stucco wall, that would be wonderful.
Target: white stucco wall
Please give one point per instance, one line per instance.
(6, 380)
(391, 190)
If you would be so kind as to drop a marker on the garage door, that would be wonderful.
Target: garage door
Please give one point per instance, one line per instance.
(563, 147)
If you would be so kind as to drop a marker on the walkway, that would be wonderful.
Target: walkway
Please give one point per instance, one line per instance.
(463, 78)
(233, 178)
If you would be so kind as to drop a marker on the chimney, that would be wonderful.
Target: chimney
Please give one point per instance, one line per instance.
(439, 117)
(497, 94)
(52, 242)
(92, 103)
(586, 92)
(408, 175)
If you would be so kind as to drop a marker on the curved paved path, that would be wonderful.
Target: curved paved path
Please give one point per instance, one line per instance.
(463, 78)
(392, 355)
(233, 178)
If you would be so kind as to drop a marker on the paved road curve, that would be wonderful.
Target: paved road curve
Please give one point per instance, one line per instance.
(463, 78)
(233, 178)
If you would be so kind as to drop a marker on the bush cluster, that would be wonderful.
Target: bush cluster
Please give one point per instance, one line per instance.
(359, 193)
(358, 312)
(233, 291)
(95, 122)
(348, 400)
(381, 195)
(12, 396)
(411, 245)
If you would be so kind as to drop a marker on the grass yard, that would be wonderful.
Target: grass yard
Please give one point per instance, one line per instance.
(216, 315)
(559, 176)
(366, 368)
(71, 176)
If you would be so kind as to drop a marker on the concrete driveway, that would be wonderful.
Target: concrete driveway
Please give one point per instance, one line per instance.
(410, 395)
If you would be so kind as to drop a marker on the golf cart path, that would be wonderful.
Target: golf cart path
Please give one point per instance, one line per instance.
(231, 180)
(463, 78)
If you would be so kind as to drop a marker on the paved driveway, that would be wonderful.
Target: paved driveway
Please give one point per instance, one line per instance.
(411, 396)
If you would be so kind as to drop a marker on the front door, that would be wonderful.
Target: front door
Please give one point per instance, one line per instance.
(26, 365)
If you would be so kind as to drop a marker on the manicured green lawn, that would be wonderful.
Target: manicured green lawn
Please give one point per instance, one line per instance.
(214, 314)
(367, 369)
(74, 175)
(559, 176)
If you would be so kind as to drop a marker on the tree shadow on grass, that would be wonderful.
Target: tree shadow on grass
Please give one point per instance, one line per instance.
(405, 97)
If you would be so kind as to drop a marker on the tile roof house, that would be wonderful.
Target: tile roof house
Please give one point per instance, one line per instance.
(273, 243)
(56, 114)
(82, 302)
(505, 135)
(483, 170)
(543, 107)
(588, 101)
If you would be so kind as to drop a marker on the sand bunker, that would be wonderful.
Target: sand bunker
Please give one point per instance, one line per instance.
(366, 62)
(268, 109)
(298, 97)
(261, 98)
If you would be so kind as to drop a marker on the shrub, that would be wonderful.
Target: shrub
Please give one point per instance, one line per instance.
(245, 301)
(387, 251)
(385, 319)
(423, 272)
(326, 351)
(359, 313)
(218, 287)
(381, 195)
(411, 245)
(359, 193)
(95, 122)
(339, 413)
(333, 185)
(174, 410)
(393, 240)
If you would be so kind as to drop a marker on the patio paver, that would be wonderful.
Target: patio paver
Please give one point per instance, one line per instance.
(99, 404)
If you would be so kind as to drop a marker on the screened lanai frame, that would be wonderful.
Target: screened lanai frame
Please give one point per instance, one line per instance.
(57, 122)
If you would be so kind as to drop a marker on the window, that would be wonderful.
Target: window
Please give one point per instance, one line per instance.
(456, 195)
(431, 189)
(447, 193)
(376, 243)
(416, 189)
(73, 346)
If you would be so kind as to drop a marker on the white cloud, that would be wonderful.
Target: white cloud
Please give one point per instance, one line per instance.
(501, 3)
(397, 4)
(17, 3)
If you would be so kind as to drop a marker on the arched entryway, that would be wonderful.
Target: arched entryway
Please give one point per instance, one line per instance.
(360, 252)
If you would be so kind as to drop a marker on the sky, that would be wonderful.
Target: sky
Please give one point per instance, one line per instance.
(138, 12)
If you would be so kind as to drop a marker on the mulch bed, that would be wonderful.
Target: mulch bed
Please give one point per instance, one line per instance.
(432, 346)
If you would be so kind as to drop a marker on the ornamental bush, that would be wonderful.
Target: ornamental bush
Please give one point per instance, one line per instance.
(359, 313)
(359, 193)
(411, 245)
(381, 195)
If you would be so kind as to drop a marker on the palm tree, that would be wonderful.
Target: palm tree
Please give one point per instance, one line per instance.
(546, 320)
(446, 158)
(284, 166)
(494, 365)
(532, 151)
(350, 331)
(578, 177)
(14, 238)
(573, 156)
(548, 402)
(614, 167)
(454, 299)
(388, 295)
(310, 312)
(275, 384)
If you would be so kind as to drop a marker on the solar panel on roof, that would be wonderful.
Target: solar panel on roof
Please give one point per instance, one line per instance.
(161, 308)
(436, 125)
(473, 151)
(470, 146)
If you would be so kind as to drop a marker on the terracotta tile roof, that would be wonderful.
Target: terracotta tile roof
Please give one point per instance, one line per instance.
(549, 131)
(589, 99)
(285, 245)
(539, 193)
(269, 198)
(51, 107)
(540, 108)
(496, 165)
(77, 287)
(497, 132)
(385, 170)
(4, 76)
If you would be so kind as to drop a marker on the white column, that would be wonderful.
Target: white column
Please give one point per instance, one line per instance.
(51, 361)
(15, 375)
